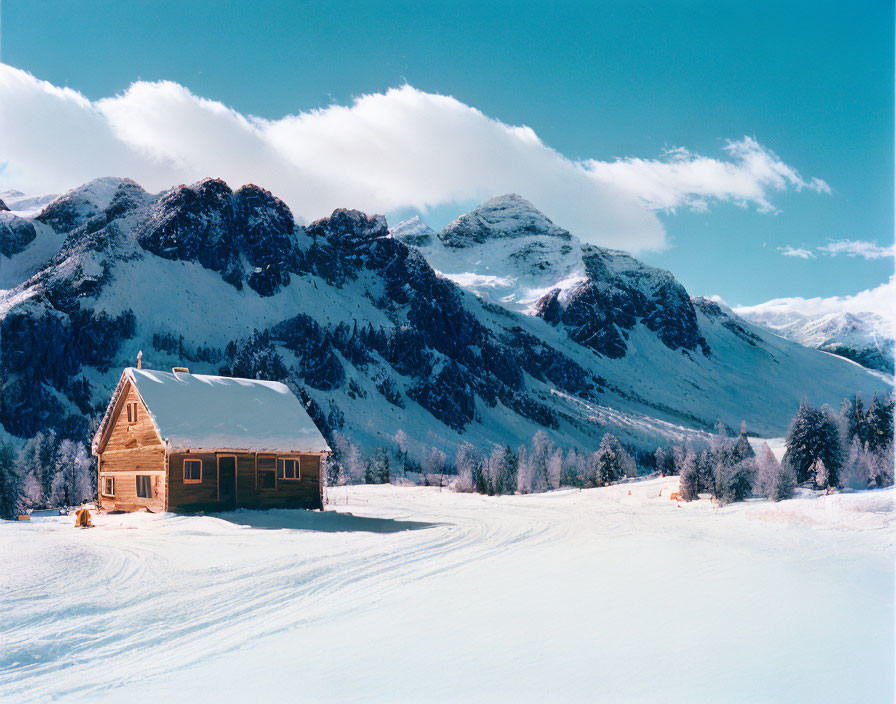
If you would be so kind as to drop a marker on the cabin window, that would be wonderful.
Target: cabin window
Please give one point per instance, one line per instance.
(144, 486)
(108, 486)
(288, 469)
(132, 412)
(192, 471)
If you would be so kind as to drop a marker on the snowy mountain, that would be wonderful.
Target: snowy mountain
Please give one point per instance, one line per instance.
(505, 251)
(865, 338)
(368, 333)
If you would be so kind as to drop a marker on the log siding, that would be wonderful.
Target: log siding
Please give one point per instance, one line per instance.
(129, 446)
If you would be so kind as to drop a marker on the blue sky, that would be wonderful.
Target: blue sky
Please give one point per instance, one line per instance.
(810, 81)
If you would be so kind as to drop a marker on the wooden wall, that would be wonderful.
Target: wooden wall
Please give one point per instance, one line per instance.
(128, 436)
(304, 493)
(131, 449)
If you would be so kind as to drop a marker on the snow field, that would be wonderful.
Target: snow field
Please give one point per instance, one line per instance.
(412, 594)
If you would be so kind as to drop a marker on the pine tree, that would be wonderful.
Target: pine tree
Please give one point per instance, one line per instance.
(687, 471)
(9, 482)
(742, 450)
(510, 464)
(774, 480)
(706, 468)
(880, 424)
(378, 468)
(609, 460)
(733, 481)
(854, 474)
(814, 436)
(660, 461)
(573, 469)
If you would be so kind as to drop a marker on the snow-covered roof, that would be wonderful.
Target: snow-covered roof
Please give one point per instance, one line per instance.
(198, 411)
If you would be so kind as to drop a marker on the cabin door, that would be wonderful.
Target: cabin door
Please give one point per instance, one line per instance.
(227, 482)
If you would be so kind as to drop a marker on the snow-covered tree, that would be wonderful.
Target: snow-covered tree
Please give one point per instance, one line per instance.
(880, 424)
(555, 469)
(401, 454)
(573, 469)
(660, 461)
(820, 472)
(542, 449)
(687, 471)
(814, 436)
(524, 472)
(9, 482)
(610, 459)
(706, 477)
(377, 471)
(434, 464)
(774, 480)
(500, 470)
(854, 473)
(466, 462)
(495, 471)
(32, 495)
(733, 481)
(741, 449)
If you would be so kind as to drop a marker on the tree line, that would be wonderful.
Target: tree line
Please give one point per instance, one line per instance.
(825, 450)
(535, 467)
(46, 471)
(849, 449)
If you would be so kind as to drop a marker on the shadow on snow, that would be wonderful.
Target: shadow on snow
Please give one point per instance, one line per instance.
(323, 522)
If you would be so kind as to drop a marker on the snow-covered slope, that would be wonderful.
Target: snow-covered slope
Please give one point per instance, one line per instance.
(505, 250)
(866, 338)
(399, 594)
(372, 340)
(24, 205)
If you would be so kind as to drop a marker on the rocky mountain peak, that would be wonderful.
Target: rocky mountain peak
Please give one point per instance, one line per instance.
(209, 223)
(507, 216)
(414, 232)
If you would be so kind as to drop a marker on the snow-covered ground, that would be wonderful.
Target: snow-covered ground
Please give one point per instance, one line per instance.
(412, 594)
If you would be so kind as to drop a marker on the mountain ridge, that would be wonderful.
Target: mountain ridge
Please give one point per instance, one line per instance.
(370, 335)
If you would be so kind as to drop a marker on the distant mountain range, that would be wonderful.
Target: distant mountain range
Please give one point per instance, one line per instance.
(865, 338)
(498, 326)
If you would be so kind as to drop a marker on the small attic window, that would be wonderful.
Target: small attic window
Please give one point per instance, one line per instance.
(132, 412)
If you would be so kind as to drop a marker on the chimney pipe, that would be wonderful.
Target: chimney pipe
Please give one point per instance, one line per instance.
(140, 359)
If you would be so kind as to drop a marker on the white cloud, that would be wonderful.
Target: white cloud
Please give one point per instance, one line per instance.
(683, 179)
(858, 248)
(799, 252)
(880, 300)
(400, 149)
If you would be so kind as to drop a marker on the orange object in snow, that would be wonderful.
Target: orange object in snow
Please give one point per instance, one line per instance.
(676, 496)
(82, 519)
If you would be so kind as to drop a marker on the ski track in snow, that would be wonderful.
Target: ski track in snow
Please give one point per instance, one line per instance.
(219, 606)
(82, 607)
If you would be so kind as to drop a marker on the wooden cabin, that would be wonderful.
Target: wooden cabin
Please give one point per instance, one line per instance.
(175, 441)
